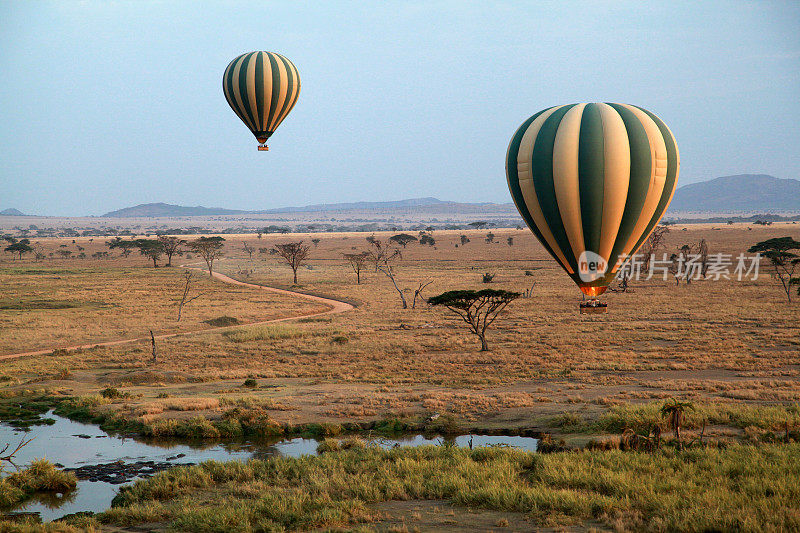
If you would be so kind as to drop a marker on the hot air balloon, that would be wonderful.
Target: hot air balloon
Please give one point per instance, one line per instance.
(261, 87)
(591, 182)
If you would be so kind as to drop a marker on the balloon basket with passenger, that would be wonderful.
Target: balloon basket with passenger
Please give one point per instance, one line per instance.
(593, 306)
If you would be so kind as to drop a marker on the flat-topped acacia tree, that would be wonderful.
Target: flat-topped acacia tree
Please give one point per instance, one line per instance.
(784, 261)
(477, 308)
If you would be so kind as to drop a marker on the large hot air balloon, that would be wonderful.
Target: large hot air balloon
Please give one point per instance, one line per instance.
(261, 87)
(591, 182)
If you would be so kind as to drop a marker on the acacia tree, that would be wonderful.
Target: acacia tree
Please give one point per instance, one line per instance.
(209, 248)
(171, 246)
(150, 248)
(125, 246)
(783, 260)
(294, 254)
(478, 309)
(357, 263)
(402, 239)
(20, 247)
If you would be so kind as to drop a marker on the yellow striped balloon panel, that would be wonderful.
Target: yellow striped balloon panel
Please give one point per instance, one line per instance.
(261, 88)
(592, 179)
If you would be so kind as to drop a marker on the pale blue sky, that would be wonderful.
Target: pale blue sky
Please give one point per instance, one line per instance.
(107, 104)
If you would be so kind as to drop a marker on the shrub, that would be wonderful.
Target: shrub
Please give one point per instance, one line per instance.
(112, 393)
(487, 277)
(222, 321)
(250, 383)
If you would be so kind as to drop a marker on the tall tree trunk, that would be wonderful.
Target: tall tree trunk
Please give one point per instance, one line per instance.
(295, 276)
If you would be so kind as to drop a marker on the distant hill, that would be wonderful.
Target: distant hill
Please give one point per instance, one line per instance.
(365, 206)
(12, 213)
(415, 204)
(167, 210)
(741, 193)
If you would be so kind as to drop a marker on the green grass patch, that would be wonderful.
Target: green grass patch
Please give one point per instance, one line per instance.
(738, 488)
(29, 305)
(40, 477)
(26, 410)
(645, 416)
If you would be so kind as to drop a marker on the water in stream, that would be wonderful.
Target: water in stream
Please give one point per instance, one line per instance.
(74, 445)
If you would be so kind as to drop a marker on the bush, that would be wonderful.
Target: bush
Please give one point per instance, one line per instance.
(250, 383)
(487, 277)
(222, 321)
(112, 393)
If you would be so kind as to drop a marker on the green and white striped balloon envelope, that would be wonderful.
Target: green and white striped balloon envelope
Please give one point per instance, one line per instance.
(261, 88)
(591, 182)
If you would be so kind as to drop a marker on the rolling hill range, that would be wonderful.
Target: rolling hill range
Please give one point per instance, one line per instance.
(743, 192)
(753, 193)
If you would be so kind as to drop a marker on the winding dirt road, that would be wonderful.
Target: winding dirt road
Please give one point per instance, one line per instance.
(335, 306)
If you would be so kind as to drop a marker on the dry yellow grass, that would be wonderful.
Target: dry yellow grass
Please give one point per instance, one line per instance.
(719, 340)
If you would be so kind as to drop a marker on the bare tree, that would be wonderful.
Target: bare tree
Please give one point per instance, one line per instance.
(702, 252)
(187, 276)
(294, 254)
(153, 341)
(171, 246)
(248, 249)
(379, 253)
(383, 257)
(477, 308)
(209, 248)
(357, 263)
(418, 292)
(654, 241)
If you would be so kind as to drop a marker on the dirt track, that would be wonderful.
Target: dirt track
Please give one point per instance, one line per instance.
(336, 306)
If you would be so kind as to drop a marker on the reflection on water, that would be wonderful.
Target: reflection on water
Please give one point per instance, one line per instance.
(73, 444)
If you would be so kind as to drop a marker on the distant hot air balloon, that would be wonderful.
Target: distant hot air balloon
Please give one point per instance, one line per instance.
(261, 87)
(591, 182)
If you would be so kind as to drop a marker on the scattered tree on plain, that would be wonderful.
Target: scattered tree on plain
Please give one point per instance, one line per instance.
(294, 254)
(248, 249)
(418, 292)
(383, 257)
(315, 240)
(489, 237)
(654, 242)
(464, 240)
(510, 241)
(185, 299)
(125, 246)
(357, 263)
(20, 247)
(480, 224)
(150, 248)
(171, 246)
(402, 239)
(427, 239)
(209, 248)
(784, 261)
(478, 309)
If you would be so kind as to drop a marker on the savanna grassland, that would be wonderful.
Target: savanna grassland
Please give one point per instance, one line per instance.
(730, 347)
